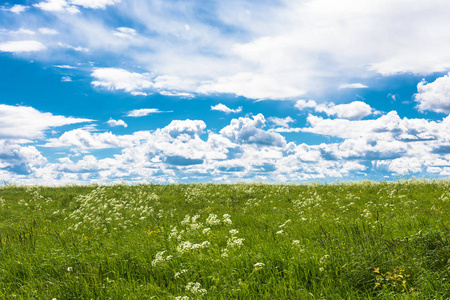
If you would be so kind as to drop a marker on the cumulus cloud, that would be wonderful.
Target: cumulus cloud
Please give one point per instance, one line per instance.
(22, 46)
(434, 96)
(70, 6)
(17, 8)
(226, 109)
(250, 130)
(18, 159)
(243, 150)
(189, 127)
(26, 122)
(355, 110)
(114, 123)
(142, 112)
(82, 139)
(57, 6)
(283, 122)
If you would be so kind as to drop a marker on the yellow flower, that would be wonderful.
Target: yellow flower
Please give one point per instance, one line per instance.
(377, 270)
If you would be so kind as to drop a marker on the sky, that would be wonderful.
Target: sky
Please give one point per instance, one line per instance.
(175, 91)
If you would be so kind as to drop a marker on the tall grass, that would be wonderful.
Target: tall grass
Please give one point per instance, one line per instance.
(361, 240)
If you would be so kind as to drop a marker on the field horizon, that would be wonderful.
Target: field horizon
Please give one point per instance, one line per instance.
(342, 240)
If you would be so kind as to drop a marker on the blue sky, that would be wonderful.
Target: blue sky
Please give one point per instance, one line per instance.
(223, 91)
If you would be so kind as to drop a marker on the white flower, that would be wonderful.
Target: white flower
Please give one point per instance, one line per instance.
(285, 223)
(195, 287)
(206, 230)
(280, 232)
(234, 242)
(69, 269)
(233, 232)
(259, 266)
(177, 274)
(224, 252)
(212, 220)
(295, 242)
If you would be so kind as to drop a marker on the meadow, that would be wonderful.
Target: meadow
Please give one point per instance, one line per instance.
(349, 240)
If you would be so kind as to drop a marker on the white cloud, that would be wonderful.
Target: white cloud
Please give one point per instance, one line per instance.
(57, 6)
(434, 96)
(48, 31)
(279, 50)
(18, 159)
(225, 109)
(66, 79)
(352, 86)
(22, 31)
(124, 32)
(253, 86)
(246, 130)
(17, 9)
(243, 150)
(64, 67)
(94, 4)
(75, 48)
(144, 112)
(114, 123)
(355, 110)
(26, 122)
(189, 127)
(22, 46)
(283, 122)
(120, 79)
(83, 139)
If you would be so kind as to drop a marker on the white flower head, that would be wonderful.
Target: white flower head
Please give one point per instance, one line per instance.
(258, 266)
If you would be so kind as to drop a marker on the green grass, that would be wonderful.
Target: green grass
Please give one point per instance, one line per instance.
(362, 240)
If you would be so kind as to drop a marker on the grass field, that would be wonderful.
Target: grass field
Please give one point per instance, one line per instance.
(362, 240)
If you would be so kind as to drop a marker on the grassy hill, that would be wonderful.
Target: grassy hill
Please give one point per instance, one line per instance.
(362, 240)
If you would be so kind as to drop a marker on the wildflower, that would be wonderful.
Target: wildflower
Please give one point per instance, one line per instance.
(159, 258)
(233, 232)
(295, 242)
(259, 266)
(206, 230)
(69, 269)
(235, 242)
(224, 252)
(177, 274)
(212, 220)
(324, 259)
(280, 232)
(285, 223)
(195, 287)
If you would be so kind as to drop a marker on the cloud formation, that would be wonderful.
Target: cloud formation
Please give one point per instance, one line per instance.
(22, 122)
(355, 110)
(142, 112)
(226, 109)
(22, 46)
(434, 96)
(114, 123)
